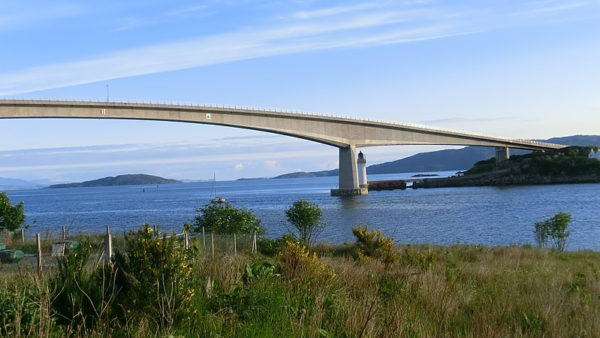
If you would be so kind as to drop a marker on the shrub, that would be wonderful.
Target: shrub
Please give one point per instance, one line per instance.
(11, 217)
(80, 296)
(152, 274)
(224, 218)
(272, 247)
(372, 244)
(554, 228)
(299, 265)
(306, 217)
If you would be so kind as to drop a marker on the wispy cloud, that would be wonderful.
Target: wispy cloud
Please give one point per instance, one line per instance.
(266, 156)
(555, 11)
(546, 7)
(332, 11)
(190, 10)
(356, 31)
(138, 21)
(15, 17)
(354, 26)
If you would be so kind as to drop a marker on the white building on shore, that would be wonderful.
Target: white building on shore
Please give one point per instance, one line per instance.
(595, 154)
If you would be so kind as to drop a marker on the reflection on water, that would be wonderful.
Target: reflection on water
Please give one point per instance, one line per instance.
(351, 202)
(478, 215)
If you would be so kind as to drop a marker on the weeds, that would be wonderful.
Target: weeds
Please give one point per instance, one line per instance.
(154, 288)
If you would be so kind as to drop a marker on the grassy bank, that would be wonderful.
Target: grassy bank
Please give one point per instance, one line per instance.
(469, 291)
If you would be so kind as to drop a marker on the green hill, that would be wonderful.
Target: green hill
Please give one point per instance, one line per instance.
(132, 179)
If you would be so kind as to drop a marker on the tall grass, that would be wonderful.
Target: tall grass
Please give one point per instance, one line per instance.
(427, 291)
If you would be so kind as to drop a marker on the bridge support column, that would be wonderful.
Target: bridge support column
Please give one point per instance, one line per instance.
(348, 175)
(502, 154)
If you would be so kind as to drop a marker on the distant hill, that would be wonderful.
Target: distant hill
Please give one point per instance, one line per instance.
(302, 174)
(577, 140)
(446, 160)
(133, 179)
(16, 184)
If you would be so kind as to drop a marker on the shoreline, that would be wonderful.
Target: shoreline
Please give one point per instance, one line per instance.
(498, 181)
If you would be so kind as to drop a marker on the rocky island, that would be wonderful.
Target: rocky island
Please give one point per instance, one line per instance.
(131, 179)
(562, 166)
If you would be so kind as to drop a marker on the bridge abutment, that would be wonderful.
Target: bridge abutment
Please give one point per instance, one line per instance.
(502, 154)
(348, 175)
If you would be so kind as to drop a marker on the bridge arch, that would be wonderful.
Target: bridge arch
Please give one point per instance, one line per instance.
(343, 133)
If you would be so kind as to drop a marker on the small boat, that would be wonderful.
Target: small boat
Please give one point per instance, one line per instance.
(218, 200)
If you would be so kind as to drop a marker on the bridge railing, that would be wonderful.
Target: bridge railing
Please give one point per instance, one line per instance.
(302, 113)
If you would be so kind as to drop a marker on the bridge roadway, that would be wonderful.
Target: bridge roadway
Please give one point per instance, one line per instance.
(344, 133)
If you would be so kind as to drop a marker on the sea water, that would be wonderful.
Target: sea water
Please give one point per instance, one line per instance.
(469, 215)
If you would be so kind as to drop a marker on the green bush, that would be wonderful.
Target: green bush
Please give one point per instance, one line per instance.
(79, 295)
(272, 247)
(11, 217)
(306, 217)
(224, 218)
(152, 276)
(554, 228)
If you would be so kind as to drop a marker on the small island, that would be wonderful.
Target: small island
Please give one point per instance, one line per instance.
(303, 174)
(562, 166)
(131, 179)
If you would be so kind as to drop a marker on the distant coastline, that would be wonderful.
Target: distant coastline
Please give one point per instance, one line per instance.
(563, 166)
(131, 179)
(444, 160)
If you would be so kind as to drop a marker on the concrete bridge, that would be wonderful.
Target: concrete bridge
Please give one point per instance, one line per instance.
(344, 133)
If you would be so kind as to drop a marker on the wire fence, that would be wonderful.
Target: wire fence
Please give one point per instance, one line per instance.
(25, 252)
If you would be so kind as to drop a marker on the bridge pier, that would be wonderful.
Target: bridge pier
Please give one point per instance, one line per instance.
(348, 176)
(502, 154)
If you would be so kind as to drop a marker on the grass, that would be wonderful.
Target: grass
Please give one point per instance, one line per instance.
(461, 290)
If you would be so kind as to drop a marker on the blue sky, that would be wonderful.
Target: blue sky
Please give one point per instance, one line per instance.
(522, 69)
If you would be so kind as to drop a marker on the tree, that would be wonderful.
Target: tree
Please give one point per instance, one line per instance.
(224, 218)
(11, 217)
(555, 228)
(306, 217)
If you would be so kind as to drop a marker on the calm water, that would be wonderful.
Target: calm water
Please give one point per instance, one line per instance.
(478, 215)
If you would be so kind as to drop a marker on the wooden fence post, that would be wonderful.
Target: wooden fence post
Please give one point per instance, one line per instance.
(64, 233)
(186, 241)
(234, 245)
(212, 243)
(203, 239)
(254, 242)
(39, 253)
(108, 243)
(22, 235)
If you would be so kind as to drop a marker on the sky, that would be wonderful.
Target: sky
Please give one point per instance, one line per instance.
(516, 69)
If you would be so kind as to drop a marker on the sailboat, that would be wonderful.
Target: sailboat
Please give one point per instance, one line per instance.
(216, 199)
